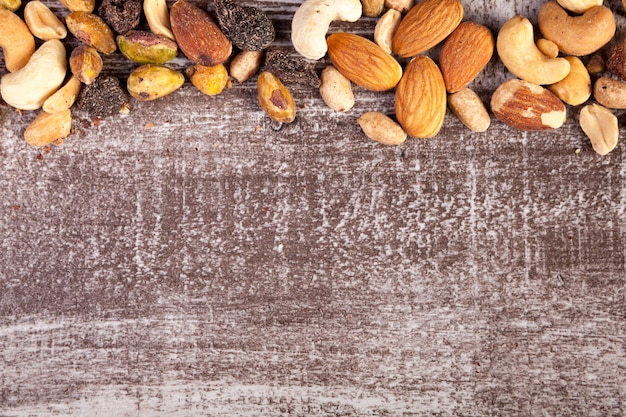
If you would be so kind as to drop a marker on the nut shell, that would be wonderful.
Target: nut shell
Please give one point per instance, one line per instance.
(147, 47)
(275, 99)
(421, 98)
(150, 82)
(363, 62)
(91, 30)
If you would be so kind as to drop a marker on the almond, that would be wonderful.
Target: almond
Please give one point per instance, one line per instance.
(363, 62)
(197, 35)
(527, 106)
(425, 25)
(421, 98)
(464, 54)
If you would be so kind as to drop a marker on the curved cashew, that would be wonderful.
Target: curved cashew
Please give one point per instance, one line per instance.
(577, 35)
(579, 6)
(518, 52)
(28, 88)
(312, 19)
(386, 28)
(158, 17)
(16, 40)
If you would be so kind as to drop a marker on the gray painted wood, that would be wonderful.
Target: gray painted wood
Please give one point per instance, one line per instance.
(194, 259)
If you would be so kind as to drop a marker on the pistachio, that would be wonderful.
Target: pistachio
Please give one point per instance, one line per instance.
(275, 99)
(146, 47)
(12, 5)
(209, 80)
(149, 82)
(92, 30)
(85, 63)
(86, 6)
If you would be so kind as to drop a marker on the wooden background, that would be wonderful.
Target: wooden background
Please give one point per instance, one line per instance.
(194, 259)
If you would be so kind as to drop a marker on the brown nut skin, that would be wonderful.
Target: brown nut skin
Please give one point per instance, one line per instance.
(527, 106)
(610, 92)
(464, 54)
(198, 36)
(363, 62)
(577, 35)
(616, 64)
(17, 43)
(420, 98)
(46, 128)
(85, 63)
(91, 30)
(275, 99)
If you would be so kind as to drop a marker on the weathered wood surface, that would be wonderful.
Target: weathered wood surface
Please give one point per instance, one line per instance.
(215, 265)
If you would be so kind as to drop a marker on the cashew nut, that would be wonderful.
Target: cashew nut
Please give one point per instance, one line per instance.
(579, 6)
(548, 48)
(28, 88)
(158, 17)
(519, 53)
(574, 89)
(16, 40)
(386, 28)
(64, 97)
(42, 22)
(402, 6)
(577, 35)
(312, 19)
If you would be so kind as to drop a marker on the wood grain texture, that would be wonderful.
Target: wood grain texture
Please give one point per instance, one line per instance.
(194, 259)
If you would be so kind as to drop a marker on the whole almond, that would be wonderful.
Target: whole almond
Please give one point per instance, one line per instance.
(425, 25)
(363, 62)
(198, 36)
(527, 106)
(421, 98)
(464, 54)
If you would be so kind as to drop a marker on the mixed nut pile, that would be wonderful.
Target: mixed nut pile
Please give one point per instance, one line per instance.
(564, 60)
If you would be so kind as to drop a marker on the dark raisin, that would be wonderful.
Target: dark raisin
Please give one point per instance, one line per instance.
(104, 97)
(121, 15)
(248, 28)
(291, 69)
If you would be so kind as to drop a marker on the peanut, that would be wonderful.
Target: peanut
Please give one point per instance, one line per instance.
(601, 127)
(245, 64)
(381, 128)
(46, 128)
(64, 97)
(470, 110)
(42, 22)
(336, 90)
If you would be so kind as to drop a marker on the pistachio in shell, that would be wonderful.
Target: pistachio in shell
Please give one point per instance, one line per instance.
(12, 5)
(150, 81)
(85, 63)
(146, 47)
(91, 30)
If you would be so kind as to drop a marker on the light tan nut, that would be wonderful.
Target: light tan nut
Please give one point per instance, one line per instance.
(16, 40)
(574, 89)
(470, 110)
(601, 127)
(64, 98)
(312, 19)
(385, 29)
(336, 90)
(198, 35)
(372, 8)
(577, 35)
(610, 92)
(150, 82)
(158, 17)
(420, 98)
(29, 87)
(596, 64)
(579, 6)
(381, 128)
(363, 62)
(11, 5)
(402, 6)
(548, 48)
(91, 30)
(42, 22)
(86, 6)
(520, 55)
(46, 128)
(527, 106)
(425, 25)
(275, 99)
(209, 80)
(464, 54)
(85, 63)
(245, 64)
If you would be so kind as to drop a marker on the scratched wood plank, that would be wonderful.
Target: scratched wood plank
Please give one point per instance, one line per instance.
(193, 258)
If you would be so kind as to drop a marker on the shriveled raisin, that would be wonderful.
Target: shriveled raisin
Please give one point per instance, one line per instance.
(121, 15)
(248, 28)
(104, 97)
(291, 69)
